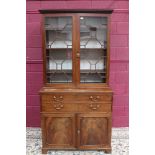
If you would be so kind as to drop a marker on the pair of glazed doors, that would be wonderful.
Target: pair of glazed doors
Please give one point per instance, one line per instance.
(76, 48)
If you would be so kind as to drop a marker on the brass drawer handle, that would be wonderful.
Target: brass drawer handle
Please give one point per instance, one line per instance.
(58, 102)
(94, 106)
(94, 99)
(58, 106)
(57, 99)
(91, 97)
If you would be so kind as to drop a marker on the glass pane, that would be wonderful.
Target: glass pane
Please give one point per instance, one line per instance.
(58, 49)
(93, 50)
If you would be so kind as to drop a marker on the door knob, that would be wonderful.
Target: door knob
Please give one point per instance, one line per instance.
(78, 131)
(78, 55)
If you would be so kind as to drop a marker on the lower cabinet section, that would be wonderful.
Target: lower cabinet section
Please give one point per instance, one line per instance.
(83, 131)
(76, 119)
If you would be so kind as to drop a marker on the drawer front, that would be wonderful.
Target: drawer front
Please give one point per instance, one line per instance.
(77, 97)
(94, 97)
(53, 103)
(56, 97)
(71, 102)
(94, 107)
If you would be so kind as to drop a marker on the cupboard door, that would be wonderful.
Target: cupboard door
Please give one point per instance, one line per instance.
(58, 131)
(94, 131)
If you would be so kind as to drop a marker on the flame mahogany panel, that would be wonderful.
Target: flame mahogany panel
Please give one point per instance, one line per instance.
(58, 130)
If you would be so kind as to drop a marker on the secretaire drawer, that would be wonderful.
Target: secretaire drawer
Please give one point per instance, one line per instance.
(76, 97)
(94, 97)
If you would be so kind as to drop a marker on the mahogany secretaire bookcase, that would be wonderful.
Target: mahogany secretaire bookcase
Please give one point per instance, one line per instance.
(76, 101)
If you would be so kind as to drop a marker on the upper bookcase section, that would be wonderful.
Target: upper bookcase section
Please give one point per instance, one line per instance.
(76, 48)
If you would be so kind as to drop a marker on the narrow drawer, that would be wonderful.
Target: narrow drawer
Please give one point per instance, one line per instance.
(94, 97)
(94, 107)
(65, 97)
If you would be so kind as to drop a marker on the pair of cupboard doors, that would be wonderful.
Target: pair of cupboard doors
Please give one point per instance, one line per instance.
(76, 131)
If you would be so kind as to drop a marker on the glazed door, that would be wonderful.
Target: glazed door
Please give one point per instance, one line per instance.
(93, 48)
(94, 131)
(58, 130)
(58, 49)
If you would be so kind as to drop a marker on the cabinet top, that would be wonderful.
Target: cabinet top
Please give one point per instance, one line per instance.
(76, 11)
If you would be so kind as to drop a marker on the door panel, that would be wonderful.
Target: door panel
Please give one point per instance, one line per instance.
(93, 131)
(58, 32)
(93, 49)
(59, 130)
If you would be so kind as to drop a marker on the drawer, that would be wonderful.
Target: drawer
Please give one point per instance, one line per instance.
(57, 103)
(94, 97)
(64, 97)
(72, 102)
(58, 107)
(94, 107)
(76, 97)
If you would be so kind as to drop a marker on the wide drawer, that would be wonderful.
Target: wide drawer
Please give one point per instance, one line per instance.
(77, 97)
(71, 102)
